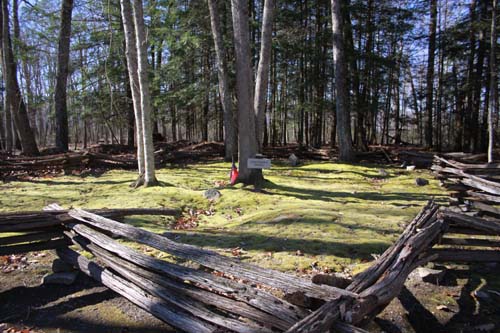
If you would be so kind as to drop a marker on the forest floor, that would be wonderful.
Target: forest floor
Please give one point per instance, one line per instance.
(318, 217)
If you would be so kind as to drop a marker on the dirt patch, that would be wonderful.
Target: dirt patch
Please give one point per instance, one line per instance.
(84, 306)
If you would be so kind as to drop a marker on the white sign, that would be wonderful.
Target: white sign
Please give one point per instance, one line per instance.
(259, 163)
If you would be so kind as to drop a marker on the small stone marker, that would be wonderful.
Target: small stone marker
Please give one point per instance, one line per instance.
(212, 194)
(383, 173)
(66, 278)
(421, 182)
(259, 163)
(293, 160)
(430, 275)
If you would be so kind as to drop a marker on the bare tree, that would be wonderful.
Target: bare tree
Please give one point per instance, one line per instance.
(248, 145)
(430, 75)
(61, 108)
(262, 79)
(7, 124)
(131, 55)
(230, 137)
(142, 71)
(346, 152)
(13, 93)
(493, 81)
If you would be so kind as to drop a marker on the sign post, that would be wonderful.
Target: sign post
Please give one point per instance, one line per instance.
(259, 163)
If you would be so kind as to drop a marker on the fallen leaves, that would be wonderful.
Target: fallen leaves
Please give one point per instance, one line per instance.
(12, 262)
(191, 218)
(5, 329)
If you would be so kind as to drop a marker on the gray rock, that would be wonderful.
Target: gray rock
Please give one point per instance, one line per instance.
(421, 182)
(410, 168)
(66, 278)
(212, 194)
(484, 327)
(429, 275)
(59, 266)
(383, 173)
(293, 160)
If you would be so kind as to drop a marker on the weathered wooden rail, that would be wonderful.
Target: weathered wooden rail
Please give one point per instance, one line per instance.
(216, 292)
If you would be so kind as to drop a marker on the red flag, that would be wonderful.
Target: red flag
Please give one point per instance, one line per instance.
(233, 175)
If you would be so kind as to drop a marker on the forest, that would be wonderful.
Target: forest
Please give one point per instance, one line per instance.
(415, 72)
(250, 166)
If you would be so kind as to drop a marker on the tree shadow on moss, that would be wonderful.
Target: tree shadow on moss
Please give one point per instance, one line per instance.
(334, 196)
(263, 243)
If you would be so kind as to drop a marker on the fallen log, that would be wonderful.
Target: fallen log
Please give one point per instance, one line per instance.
(290, 284)
(44, 235)
(455, 255)
(380, 290)
(154, 305)
(482, 207)
(252, 296)
(482, 197)
(466, 221)
(31, 247)
(469, 242)
(222, 302)
(11, 222)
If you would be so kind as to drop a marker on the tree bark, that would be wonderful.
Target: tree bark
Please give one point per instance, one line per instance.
(346, 152)
(131, 53)
(493, 82)
(430, 75)
(13, 93)
(248, 145)
(262, 78)
(60, 103)
(230, 138)
(142, 73)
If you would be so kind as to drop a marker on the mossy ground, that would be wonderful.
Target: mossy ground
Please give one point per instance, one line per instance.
(335, 214)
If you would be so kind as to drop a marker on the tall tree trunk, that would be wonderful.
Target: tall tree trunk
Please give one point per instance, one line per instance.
(262, 79)
(142, 71)
(13, 93)
(131, 53)
(248, 144)
(24, 65)
(230, 138)
(206, 100)
(430, 75)
(7, 124)
(60, 103)
(471, 77)
(478, 80)
(493, 107)
(342, 101)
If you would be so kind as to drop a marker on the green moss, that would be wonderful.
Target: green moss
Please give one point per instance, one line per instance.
(336, 215)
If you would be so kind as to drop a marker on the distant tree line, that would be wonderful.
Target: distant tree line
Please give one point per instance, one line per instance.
(348, 72)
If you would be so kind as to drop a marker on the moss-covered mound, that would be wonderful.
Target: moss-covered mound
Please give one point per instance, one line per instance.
(319, 216)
